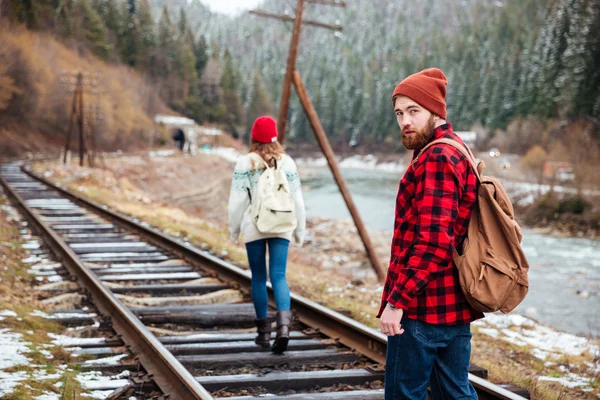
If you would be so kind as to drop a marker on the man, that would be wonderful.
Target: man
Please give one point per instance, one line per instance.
(423, 310)
(179, 138)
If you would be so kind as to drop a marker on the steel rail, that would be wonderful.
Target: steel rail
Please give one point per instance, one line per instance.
(174, 380)
(357, 336)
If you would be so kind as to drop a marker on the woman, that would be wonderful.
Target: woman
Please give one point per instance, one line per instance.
(247, 172)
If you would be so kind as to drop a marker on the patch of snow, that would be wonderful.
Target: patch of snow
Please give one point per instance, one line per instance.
(7, 313)
(47, 353)
(73, 315)
(31, 245)
(528, 332)
(98, 394)
(13, 348)
(228, 153)
(13, 215)
(47, 396)
(490, 332)
(542, 355)
(570, 380)
(45, 266)
(368, 162)
(8, 381)
(68, 341)
(114, 360)
(107, 384)
(31, 259)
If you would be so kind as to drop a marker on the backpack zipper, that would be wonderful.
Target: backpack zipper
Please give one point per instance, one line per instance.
(281, 211)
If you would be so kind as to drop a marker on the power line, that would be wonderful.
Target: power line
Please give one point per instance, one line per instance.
(293, 51)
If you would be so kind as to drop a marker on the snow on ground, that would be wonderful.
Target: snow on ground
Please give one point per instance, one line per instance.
(68, 341)
(100, 385)
(161, 153)
(13, 353)
(546, 341)
(13, 215)
(570, 380)
(38, 313)
(228, 153)
(106, 361)
(15, 349)
(7, 313)
(368, 162)
(545, 344)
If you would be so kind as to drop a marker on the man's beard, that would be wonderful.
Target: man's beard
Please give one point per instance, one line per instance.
(419, 139)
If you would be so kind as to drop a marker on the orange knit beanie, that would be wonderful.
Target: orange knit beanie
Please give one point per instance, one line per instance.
(428, 88)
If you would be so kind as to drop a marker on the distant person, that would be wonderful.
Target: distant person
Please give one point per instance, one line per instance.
(267, 207)
(423, 311)
(179, 138)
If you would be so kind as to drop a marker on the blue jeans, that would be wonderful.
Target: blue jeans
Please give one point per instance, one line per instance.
(257, 258)
(427, 353)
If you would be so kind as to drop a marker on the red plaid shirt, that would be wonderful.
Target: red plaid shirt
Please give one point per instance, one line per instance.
(433, 209)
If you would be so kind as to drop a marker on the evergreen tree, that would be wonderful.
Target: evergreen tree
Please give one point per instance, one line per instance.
(200, 51)
(93, 29)
(147, 35)
(111, 15)
(167, 39)
(260, 102)
(229, 84)
(130, 42)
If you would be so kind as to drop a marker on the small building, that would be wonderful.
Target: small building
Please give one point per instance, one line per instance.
(187, 125)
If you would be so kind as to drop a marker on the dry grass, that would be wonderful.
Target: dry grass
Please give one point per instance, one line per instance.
(16, 295)
(508, 362)
(40, 108)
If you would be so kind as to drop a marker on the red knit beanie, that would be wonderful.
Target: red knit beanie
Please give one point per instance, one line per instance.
(264, 130)
(428, 88)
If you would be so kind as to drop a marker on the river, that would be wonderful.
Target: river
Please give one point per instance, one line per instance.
(564, 273)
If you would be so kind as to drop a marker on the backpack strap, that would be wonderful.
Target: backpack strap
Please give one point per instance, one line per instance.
(464, 150)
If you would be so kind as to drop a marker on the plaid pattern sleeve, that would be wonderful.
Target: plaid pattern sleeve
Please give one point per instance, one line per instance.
(433, 210)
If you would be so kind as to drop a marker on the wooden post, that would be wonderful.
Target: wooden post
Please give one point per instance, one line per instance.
(335, 169)
(81, 112)
(291, 63)
(70, 129)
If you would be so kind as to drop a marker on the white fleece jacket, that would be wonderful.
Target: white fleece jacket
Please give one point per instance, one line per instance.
(245, 176)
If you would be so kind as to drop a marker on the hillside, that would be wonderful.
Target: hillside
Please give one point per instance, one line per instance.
(35, 105)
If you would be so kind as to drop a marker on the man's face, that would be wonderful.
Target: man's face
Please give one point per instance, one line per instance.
(416, 123)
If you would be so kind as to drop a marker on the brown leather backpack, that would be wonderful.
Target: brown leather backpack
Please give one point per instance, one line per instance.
(492, 268)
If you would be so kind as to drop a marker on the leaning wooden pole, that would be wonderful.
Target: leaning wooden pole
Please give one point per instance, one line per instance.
(315, 123)
(287, 82)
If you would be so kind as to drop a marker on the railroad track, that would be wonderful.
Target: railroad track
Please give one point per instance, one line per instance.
(198, 307)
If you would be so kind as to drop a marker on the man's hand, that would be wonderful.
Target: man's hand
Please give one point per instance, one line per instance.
(389, 322)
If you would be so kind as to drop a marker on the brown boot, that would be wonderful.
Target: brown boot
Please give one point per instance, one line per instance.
(284, 324)
(263, 327)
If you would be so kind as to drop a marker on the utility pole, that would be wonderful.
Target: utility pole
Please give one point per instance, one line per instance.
(293, 52)
(77, 83)
(292, 75)
(291, 65)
